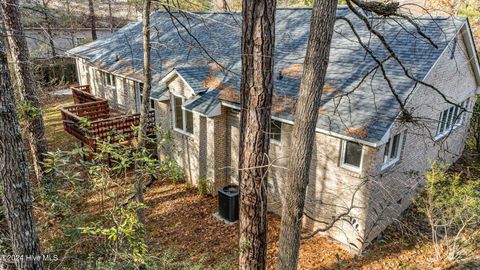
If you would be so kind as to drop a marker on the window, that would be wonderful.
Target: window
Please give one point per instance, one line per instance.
(352, 155)
(450, 119)
(392, 150)
(138, 95)
(275, 131)
(152, 104)
(140, 91)
(182, 119)
(108, 79)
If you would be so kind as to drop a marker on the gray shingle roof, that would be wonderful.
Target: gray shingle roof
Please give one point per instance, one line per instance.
(371, 105)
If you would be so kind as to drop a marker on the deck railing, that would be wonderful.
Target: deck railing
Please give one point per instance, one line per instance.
(73, 125)
(91, 110)
(84, 88)
(123, 126)
(82, 94)
(93, 121)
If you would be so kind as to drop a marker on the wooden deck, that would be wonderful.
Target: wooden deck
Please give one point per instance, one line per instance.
(91, 120)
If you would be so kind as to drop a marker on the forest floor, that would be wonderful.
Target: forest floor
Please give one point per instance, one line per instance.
(180, 225)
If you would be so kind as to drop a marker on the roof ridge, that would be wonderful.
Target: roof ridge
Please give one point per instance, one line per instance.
(239, 11)
(339, 7)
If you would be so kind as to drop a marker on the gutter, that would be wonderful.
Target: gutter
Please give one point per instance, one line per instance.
(319, 130)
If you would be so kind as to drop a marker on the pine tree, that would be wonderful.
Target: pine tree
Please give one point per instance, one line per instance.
(26, 81)
(258, 38)
(303, 136)
(14, 175)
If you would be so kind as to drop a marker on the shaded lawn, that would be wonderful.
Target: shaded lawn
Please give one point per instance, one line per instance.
(57, 138)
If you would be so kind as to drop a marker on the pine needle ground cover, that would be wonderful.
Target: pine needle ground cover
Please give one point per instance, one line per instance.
(181, 232)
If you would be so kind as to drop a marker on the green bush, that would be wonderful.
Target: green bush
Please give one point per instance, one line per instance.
(173, 171)
(473, 141)
(452, 207)
(203, 186)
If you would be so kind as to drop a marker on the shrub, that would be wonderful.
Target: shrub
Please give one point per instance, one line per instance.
(203, 186)
(474, 138)
(452, 207)
(115, 229)
(172, 171)
(126, 234)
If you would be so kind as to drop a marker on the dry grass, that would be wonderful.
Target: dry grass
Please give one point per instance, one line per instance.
(57, 138)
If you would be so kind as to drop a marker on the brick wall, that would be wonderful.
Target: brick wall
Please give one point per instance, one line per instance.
(392, 189)
(330, 190)
(203, 154)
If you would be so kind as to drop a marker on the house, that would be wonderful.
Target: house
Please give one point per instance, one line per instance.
(67, 23)
(369, 159)
(64, 39)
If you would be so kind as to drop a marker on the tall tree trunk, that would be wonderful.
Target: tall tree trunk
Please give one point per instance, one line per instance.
(92, 19)
(258, 38)
(16, 196)
(306, 114)
(50, 38)
(49, 28)
(70, 23)
(110, 15)
(145, 108)
(25, 79)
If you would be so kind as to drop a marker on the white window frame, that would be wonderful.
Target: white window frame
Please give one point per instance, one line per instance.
(390, 161)
(446, 127)
(272, 140)
(342, 158)
(112, 79)
(183, 130)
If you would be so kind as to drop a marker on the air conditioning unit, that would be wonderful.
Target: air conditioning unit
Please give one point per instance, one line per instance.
(228, 202)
